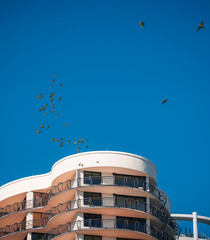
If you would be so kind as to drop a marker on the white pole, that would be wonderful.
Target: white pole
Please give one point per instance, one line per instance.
(195, 226)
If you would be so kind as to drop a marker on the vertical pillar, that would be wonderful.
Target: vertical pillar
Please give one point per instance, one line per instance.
(195, 226)
(147, 205)
(29, 215)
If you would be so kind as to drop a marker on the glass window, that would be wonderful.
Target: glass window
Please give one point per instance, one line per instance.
(37, 236)
(90, 237)
(93, 178)
(92, 220)
(129, 180)
(130, 202)
(92, 199)
(136, 224)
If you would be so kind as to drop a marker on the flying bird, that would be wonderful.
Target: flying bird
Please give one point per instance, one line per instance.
(61, 84)
(79, 140)
(53, 139)
(57, 114)
(59, 98)
(42, 126)
(75, 143)
(65, 125)
(38, 131)
(46, 104)
(53, 111)
(142, 24)
(61, 144)
(80, 164)
(55, 76)
(200, 26)
(164, 101)
(53, 105)
(86, 147)
(67, 141)
(45, 114)
(58, 140)
(87, 140)
(48, 127)
(40, 97)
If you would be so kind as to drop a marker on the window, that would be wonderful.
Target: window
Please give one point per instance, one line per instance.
(137, 203)
(92, 220)
(37, 236)
(92, 199)
(135, 224)
(90, 237)
(93, 178)
(129, 180)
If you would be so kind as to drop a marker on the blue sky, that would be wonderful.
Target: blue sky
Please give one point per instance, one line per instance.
(115, 76)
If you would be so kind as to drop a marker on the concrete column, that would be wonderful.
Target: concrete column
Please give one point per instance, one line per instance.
(195, 226)
(147, 181)
(29, 215)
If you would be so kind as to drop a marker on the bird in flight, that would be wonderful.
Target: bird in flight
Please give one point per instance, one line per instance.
(61, 84)
(57, 114)
(75, 143)
(59, 98)
(80, 164)
(53, 105)
(48, 127)
(61, 144)
(42, 126)
(79, 140)
(65, 125)
(53, 139)
(86, 147)
(45, 114)
(55, 76)
(142, 24)
(53, 111)
(38, 131)
(40, 97)
(164, 101)
(67, 141)
(200, 26)
(87, 140)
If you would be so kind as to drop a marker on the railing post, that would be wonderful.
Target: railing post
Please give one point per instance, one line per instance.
(195, 226)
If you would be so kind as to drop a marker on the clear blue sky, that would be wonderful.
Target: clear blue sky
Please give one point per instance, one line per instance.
(115, 76)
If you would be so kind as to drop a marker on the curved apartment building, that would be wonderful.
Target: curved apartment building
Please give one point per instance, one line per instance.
(100, 195)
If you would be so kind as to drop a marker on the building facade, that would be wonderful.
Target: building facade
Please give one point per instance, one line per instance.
(101, 195)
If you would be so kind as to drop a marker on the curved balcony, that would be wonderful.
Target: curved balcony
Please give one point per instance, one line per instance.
(105, 227)
(81, 182)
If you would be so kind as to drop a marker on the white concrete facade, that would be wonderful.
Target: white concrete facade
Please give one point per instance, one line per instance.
(54, 205)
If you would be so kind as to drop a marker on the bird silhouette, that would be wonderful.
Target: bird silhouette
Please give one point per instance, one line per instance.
(200, 26)
(42, 126)
(164, 101)
(86, 147)
(58, 140)
(45, 114)
(75, 143)
(142, 24)
(46, 104)
(53, 139)
(59, 98)
(53, 105)
(48, 127)
(80, 164)
(61, 85)
(79, 140)
(55, 76)
(87, 140)
(40, 97)
(65, 125)
(38, 131)
(53, 111)
(67, 141)
(57, 114)
(61, 144)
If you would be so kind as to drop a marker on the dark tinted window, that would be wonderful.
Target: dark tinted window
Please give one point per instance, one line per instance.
(130, 202)
(92, 220)
(90, 237)
(92, 199)
(37, 236)
(136, 224)
(129, 180)
(92, 178)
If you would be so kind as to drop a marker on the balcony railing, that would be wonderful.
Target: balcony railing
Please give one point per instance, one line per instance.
(81, 182)
(107, 224)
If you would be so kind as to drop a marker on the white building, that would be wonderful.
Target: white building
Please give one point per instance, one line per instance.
(101, 195)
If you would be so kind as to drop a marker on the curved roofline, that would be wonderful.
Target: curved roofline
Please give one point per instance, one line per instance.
(76, 155)
(105, 152)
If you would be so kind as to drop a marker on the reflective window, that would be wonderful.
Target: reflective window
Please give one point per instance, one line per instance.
(129, 180)
(37, 236)
(135, 224)
(137, 203)
(92, 199)
(92, 220)
(90, 237)
(93, 178)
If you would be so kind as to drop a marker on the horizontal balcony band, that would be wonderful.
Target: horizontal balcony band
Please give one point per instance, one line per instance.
(106, 224)
(76, 183)
(82, 204)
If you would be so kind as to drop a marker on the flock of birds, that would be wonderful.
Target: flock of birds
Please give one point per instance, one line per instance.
(52, 95)
(199, 27)
(50, 107)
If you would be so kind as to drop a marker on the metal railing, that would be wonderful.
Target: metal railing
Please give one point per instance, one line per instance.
(81, 182)
(101, 224)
